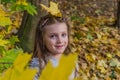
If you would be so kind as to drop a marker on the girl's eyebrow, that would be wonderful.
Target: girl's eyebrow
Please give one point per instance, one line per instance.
(52, 33)
(57, 33)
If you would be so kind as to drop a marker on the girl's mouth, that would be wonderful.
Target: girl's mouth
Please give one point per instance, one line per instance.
(59, 46)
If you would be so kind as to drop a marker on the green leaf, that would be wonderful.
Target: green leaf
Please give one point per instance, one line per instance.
(75, 17)
(89, 36)
(10, 55)
(2, 49)
(7, 1)
(13, 39)
(78, 19)
(78, 35)
(31, 9)
(113, 76)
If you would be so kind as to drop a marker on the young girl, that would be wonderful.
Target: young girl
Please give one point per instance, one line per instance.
(51, 40)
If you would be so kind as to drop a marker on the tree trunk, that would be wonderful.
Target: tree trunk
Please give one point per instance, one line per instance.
(118, 14)
(26, 32)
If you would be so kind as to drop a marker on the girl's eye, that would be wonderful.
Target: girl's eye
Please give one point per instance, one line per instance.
(64, 35)
(52, 36)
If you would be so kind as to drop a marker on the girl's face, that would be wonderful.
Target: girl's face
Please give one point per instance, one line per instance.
(56, 38)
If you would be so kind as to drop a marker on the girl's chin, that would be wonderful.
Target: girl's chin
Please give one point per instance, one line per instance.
(59, 52)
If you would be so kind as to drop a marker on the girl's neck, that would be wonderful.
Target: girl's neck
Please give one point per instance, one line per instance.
(57, 56)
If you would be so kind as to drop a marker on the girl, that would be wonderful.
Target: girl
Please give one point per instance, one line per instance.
(51, 40)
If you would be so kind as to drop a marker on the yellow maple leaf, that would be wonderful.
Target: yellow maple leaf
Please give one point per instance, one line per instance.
(53, 9)
(63, 70)
(19, 70)
(21, 61)
(28, 71)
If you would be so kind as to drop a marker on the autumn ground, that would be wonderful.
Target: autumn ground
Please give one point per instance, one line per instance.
(94, 37)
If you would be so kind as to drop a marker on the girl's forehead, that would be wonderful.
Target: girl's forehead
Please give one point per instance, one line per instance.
(56, 27)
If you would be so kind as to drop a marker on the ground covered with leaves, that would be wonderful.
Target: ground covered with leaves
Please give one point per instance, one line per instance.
(95, 38)
(99, 49)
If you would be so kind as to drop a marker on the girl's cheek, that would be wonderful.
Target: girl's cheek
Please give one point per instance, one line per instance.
(52, 41)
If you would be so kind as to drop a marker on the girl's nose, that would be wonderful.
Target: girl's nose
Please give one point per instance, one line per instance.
(59, 40)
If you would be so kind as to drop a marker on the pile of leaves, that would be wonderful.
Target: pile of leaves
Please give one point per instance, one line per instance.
(98, 46)
(95, 37)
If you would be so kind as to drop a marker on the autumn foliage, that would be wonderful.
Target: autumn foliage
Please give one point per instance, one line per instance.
(93, 38)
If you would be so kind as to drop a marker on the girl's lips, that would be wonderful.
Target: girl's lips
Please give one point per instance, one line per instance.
(59, 46)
